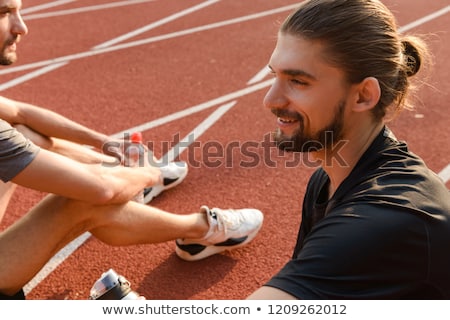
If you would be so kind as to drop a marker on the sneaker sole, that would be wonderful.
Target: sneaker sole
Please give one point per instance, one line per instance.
(213, 249)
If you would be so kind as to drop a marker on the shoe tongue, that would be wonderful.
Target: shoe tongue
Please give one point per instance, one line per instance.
(212, 221)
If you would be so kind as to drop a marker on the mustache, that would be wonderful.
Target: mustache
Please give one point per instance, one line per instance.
(282, 113)
(12, 40)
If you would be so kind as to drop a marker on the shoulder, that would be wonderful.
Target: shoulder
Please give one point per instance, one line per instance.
(368, 227)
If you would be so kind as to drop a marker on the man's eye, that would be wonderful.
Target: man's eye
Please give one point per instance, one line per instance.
(5, 11)
(299, 82)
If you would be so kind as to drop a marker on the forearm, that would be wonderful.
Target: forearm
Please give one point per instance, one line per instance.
(49, 123)
(93, 183)
(66, 148)
(80, 153)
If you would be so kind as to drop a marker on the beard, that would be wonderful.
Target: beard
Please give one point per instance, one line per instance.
(7, 58)
(301, 141)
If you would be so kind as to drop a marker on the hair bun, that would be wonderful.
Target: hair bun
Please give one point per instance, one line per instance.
(412, 58)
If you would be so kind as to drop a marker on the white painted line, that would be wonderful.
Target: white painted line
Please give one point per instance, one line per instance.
(259, 76)
(82, 9)
(30, 75)
(45, 6)
(194, 109)
(183, 33)
(184, 143)
(445, 174)
(156, 24)
(44, 70)
(143, 41)
(425, 19)
(55, 261)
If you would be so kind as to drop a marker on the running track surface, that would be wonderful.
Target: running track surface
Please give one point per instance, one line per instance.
(183, 71)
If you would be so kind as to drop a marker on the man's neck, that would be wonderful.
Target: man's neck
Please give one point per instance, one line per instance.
(339, 161)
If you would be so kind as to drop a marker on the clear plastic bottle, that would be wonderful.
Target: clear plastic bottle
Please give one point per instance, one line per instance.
(134, 157)
(112, 286)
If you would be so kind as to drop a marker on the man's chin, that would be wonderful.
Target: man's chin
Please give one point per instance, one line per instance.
(291, 144)
(8, 60)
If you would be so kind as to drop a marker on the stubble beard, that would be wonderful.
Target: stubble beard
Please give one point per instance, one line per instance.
(7, 58)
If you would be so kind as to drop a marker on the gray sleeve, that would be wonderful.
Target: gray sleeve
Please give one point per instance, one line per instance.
(16, 151)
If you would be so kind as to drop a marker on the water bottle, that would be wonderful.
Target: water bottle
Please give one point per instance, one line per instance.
(112, 286)
(134, 157)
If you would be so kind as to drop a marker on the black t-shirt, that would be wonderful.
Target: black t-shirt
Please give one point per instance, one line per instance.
(385, 233)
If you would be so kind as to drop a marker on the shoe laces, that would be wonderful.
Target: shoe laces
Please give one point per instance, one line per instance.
(229, 220)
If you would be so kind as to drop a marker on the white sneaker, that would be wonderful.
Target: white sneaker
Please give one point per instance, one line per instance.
(228, 229)
(173, 174)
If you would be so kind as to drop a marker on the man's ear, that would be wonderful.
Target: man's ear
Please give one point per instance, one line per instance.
(368, 94)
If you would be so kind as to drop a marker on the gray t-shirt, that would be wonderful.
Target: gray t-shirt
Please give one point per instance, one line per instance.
(16, 151)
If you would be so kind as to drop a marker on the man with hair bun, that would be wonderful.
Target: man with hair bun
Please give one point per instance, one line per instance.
(375, 220)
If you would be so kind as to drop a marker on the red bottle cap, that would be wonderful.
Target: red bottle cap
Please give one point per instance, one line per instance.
(136, 137)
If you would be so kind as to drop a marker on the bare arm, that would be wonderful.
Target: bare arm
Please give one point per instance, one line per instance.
(270, 293)
(94, 183)
(53, 128)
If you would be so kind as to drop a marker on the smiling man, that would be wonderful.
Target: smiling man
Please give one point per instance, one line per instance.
(376, 225)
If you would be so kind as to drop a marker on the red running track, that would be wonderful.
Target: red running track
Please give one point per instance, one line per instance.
(160, 66)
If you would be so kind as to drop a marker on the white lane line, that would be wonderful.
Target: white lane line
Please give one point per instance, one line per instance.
(143, 41)
(56, 65)
(55, 261)
(259, 76)
(156, 24)
(186, 32)
(82, 9)
(184, 143)
(30, 75)
(45, 6)
(445, 174)
(425, 19)
(197, 108)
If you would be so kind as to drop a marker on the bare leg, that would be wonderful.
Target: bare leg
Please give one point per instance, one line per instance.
(29, 243)
(6, 192)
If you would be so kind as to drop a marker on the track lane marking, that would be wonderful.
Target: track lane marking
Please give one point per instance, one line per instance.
(445, 174)
(197, 108)
(45, 6)
(131, 44)
(82, 9)
(156, 24)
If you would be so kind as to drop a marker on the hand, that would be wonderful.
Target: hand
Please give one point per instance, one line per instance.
(116, 148)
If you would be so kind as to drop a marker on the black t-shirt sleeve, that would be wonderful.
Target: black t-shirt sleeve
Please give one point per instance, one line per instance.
(358, 252)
